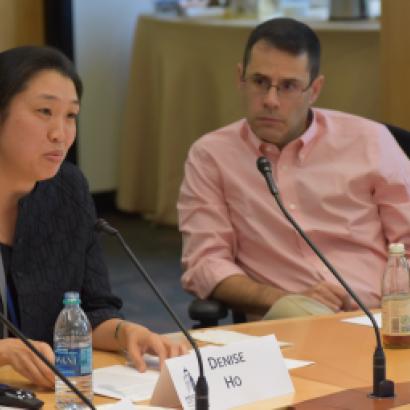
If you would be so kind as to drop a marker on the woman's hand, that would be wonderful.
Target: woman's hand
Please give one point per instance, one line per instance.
(24, 361)
(137, 340)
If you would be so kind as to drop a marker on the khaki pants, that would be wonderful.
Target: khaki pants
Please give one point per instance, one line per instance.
(296, 306)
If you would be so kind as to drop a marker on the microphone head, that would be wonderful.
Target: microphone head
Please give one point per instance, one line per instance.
(101, 225)
(264, 165)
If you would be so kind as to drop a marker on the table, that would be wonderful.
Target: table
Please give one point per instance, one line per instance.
(342, 353)
(182, 85)
(100, 359)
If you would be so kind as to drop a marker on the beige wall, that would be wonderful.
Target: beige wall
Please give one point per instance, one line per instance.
(103, 37)
(21, 22)
(351, 65)
(395, 62)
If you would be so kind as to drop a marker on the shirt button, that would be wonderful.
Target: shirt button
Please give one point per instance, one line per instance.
(292, 207)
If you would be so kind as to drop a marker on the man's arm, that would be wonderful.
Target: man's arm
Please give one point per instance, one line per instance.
(392, 190)
(209, 239)
(244, 294)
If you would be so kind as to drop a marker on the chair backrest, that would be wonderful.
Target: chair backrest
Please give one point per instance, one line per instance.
(208, 313)
(402, 137)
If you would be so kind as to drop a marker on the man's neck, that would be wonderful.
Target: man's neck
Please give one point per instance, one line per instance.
(301, 132)
(309, 119)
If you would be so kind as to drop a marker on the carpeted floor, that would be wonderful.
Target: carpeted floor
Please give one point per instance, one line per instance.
(158, 250)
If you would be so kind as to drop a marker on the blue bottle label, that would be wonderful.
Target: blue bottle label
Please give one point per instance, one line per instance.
(74, 362)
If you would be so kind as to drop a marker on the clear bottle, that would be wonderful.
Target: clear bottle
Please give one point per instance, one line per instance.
(396, 299)
(73, 352)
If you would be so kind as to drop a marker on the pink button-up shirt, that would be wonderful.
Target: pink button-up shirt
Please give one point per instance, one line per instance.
(345, 181)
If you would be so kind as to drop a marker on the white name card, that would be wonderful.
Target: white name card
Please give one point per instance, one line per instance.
(237, 374)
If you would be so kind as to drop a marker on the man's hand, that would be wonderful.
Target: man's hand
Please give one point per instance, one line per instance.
(24, 361)
(331, 295)
(137, 340)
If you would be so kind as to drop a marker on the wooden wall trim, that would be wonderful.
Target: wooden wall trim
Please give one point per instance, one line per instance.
(21, 23)
(395, 62)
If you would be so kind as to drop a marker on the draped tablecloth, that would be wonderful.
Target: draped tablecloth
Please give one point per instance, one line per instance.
(183, 84)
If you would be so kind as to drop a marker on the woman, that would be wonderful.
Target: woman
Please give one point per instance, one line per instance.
(48, 243)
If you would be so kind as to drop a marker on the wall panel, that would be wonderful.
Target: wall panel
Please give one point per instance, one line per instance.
(395, 62)
(21, 22)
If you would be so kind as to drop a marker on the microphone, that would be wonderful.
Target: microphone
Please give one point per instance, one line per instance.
(381, 386)
(101, 225)
(16, 332)
(201, 387)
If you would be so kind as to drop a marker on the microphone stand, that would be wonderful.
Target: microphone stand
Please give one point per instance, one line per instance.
(16, 332)
(381, 386)
(201, 387)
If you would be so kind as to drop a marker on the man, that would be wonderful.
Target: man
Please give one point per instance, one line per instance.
(342, 177)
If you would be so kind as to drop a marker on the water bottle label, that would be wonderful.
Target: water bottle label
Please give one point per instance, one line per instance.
(74, 362)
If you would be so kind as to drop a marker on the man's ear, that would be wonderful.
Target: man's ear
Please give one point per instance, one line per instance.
(239, 75)
(316, 88)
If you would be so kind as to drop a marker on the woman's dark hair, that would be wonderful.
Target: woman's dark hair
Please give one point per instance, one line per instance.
(287, 35)
(19, 65)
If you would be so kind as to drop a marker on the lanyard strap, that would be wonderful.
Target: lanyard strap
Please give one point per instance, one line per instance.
(11, 309)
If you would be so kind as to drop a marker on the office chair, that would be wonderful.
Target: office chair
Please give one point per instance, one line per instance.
(402, 137)
(208, 312)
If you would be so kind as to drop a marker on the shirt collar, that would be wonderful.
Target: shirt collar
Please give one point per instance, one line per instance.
(311, 130)
(304, 140)
(248, 136)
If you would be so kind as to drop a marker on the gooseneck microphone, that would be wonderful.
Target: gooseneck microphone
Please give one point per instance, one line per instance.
(16, 332)
(201, 387)
(381, 386)
(101, 225)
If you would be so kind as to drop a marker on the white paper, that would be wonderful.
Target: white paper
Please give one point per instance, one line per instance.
(295, 364)
(365, 321)
(121, 381)
(126, 404)
(152, 362)
(223, 337)
(9, 408)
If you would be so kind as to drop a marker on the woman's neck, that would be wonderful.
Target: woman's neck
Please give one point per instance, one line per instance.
(13, 188)
(11, 191)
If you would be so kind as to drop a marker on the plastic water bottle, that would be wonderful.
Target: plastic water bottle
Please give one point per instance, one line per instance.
(396, 299)
(73, 353)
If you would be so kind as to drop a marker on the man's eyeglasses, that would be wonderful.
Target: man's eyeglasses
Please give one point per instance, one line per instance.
(285, 89)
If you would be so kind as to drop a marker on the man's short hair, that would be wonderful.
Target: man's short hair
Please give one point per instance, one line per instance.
(290, 36)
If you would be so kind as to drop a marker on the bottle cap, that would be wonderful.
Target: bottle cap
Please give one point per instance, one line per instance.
(396, 248)
(71, 298)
